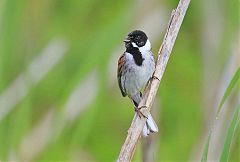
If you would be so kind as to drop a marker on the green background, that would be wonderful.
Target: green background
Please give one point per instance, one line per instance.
(93, 31)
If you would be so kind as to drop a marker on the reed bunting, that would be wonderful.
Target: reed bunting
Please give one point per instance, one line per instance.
(135, 68)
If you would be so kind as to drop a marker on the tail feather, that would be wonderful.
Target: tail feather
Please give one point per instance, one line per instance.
(145, 131)
(150, 125)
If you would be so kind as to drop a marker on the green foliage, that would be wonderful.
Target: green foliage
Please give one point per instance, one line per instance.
(205, 150)
(230, 87)
(230, 133)
(93, 29)
(234, 123)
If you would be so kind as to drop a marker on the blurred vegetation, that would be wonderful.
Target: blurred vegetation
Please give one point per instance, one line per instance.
(232, 127)
(93, 30)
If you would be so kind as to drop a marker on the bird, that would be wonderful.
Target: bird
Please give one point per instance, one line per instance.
(135, 68)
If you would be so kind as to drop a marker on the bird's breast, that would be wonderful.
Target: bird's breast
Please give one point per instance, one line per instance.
(136, 77)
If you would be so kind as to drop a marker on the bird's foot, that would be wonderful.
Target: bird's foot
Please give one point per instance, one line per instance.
(154, 77)
(142, 111)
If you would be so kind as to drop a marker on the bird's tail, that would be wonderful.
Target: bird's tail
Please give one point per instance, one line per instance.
(150, 125)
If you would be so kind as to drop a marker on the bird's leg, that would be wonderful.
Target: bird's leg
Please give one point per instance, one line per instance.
(149, 81)
(155, 77)
(140, 112)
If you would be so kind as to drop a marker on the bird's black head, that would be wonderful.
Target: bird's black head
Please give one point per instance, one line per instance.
(136, 38)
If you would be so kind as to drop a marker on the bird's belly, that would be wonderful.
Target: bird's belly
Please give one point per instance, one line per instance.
(136, 78)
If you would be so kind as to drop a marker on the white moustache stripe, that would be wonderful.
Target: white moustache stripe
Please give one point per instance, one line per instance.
(134, 44)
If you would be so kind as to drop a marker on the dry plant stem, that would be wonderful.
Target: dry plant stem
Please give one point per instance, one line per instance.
(136, 127)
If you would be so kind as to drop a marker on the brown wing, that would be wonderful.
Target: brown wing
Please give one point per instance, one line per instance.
(121, 62)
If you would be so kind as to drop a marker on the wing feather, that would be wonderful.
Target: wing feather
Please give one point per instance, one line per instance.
(121, 63)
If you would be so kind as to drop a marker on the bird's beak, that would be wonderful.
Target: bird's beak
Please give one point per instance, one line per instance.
(126, 40)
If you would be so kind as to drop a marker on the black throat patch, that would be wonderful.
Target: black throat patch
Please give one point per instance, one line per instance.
(137, 55)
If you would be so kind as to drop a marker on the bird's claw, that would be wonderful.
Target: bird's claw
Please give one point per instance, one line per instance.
(140, 112)
(154, 77)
